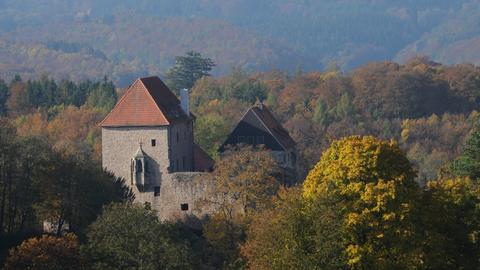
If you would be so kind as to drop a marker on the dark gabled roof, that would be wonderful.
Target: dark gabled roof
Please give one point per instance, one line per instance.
(203, 162)
(147, 102)
(273, 126)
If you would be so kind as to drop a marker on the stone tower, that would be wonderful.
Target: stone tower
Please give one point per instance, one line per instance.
(147, 139)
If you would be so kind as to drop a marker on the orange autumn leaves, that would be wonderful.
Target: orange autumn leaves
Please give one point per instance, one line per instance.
(71, 129)
(46, 252)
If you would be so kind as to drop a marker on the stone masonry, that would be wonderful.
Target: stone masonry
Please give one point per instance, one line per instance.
(147, 140)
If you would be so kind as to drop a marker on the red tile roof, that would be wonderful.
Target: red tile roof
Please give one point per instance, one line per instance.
(147, 102)
(275, 128)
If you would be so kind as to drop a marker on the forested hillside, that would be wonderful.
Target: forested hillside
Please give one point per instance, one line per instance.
(388, 142)
(455, 40)
(416, 137)
(429, 108)
(125, 39)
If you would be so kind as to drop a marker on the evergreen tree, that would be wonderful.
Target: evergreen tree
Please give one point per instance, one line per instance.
(188, 69)
(103, 96)
(68, 93)
(15, 80)
(83, 90)
(4, 93)
(344, 107)
(320, 115)
(42, 93)
(468, 164)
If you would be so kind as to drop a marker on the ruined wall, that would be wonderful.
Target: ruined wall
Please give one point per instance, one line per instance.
(185, 188)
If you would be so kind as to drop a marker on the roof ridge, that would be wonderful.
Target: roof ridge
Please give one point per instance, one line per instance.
(267, 127)
(277, 130)
(153, 99)
(146, 102)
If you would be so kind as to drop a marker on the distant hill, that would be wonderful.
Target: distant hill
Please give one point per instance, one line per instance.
(151, 43)
(143, 36)
(34, 59)
(455, 40)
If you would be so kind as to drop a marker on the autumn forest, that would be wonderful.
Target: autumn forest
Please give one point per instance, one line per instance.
(381, 98)
(422, 116)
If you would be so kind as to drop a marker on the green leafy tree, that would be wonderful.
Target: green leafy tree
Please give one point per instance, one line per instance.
(241, 86)
(451, 224)
(210, 131)
(23, 162)
(75, 192)
(468, 163)
(188, 69)
(272, 100)
(296, 234)
(131, 237)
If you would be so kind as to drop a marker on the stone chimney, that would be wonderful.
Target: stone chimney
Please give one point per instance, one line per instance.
(185, 101)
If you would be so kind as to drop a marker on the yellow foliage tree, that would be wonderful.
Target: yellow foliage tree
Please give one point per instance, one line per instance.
(374, 183)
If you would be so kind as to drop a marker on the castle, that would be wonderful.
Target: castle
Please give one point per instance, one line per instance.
(148, 140)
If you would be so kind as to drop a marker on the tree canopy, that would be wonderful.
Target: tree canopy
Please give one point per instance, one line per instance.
(365, 217)
(188, 69)
(468, 163)
(131, 237)
(47, 253)
(242, 183)
(296, 234)
(451, 222)
(374, 183)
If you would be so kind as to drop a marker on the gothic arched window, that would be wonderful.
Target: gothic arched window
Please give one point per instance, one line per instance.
(138, 166)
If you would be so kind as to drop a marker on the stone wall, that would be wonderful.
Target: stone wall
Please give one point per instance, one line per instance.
(165, 192)
(177, 190)
(120, 144)
(182, 189)
(181, 147)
